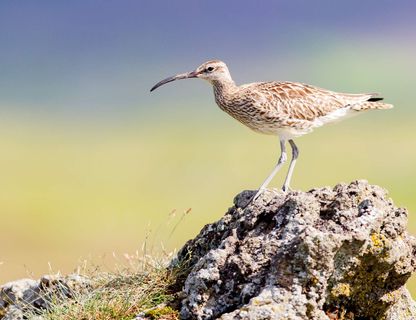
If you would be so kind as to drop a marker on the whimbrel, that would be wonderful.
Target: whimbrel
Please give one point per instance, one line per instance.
(285, 109)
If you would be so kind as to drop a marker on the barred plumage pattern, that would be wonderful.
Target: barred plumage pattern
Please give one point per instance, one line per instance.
(285, 109)
(288, 108)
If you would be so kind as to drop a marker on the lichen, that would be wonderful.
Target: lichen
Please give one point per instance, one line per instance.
(341, 289)
(379, 245)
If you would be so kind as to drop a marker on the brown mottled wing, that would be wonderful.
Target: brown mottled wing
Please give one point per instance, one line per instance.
(297, 101)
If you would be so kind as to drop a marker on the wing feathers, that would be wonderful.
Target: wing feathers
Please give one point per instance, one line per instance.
(299, 101)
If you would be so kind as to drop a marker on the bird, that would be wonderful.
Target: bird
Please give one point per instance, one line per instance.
(285, 109)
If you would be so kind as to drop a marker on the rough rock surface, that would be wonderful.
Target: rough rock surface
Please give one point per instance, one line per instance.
(323, 254)
(27, 296)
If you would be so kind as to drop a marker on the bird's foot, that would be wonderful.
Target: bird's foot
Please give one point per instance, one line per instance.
(258, 194)
(254, 198)
(286, 188)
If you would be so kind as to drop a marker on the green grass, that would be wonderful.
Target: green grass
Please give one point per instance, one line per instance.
(119, 295)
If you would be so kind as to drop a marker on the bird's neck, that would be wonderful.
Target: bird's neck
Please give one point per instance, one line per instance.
(224, 87)
(224, 91)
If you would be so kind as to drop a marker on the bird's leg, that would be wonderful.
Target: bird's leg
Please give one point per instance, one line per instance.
(295, 154)
(282, 160)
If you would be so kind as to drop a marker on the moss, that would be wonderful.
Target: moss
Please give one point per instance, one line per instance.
(362, 290)
(165, 313)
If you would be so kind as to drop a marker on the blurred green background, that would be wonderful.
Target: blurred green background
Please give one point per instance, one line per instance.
(93, 166)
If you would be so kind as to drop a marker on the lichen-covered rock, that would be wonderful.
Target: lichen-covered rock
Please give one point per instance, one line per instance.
(323, 254)
(25, 296)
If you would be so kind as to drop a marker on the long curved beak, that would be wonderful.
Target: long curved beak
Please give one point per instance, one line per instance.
(192, 74)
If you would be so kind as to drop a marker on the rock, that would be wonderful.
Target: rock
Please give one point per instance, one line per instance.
(27, 296)
(323, 254)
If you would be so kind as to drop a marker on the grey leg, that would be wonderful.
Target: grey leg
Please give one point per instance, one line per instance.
(295, 154)
(282, 160)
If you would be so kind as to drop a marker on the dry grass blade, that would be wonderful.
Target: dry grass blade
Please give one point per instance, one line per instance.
(120, 296)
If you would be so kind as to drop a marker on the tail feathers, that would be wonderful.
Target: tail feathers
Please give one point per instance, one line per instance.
(373, 102)
(374, 99)
(368, 105)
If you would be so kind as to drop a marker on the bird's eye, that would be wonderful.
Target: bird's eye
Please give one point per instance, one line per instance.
(209, 69)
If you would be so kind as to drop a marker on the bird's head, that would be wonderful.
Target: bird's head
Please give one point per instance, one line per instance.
(211, 71)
